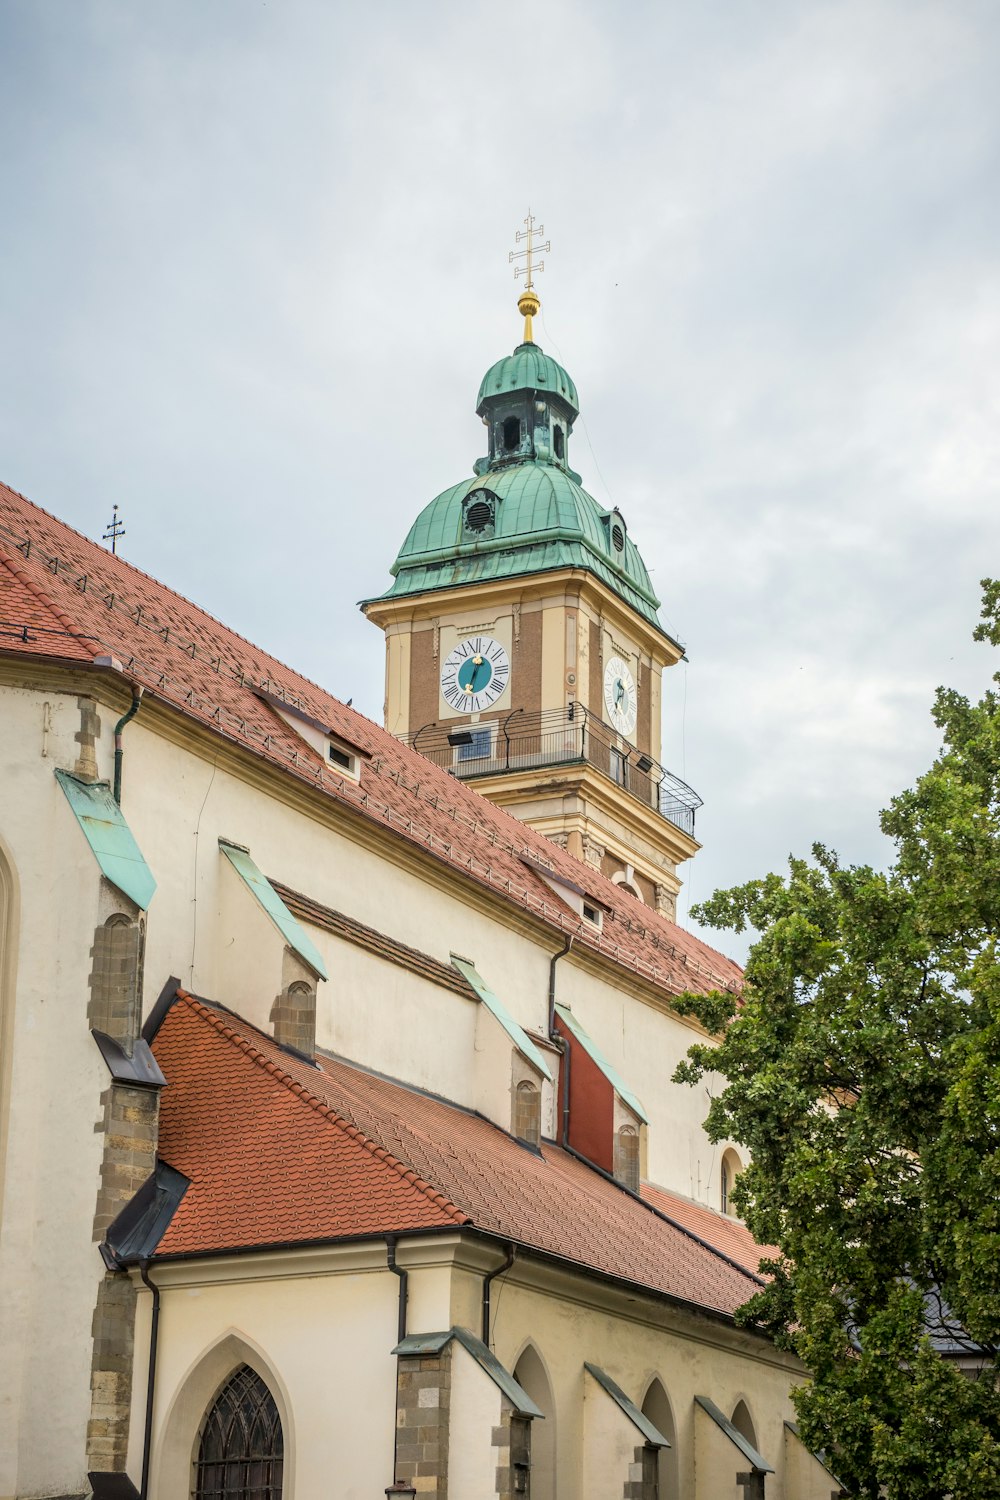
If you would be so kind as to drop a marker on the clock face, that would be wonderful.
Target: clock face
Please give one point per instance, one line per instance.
(475, 674)
(620, 696)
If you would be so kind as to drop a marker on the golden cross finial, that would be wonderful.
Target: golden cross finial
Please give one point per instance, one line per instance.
(528, 303)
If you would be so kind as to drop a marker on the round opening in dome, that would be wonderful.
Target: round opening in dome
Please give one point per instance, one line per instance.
(618, 538)
(479, 514)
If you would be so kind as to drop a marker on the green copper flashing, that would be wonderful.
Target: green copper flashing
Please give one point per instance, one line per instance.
(433, 1343)
(544, 521)
(755, 1459)
(262, 889)
(529, 368)
(652, 1434)
(109, 837)
(590, 1047)
(518, 1036)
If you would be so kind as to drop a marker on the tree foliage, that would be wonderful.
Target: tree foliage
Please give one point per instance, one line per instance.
(861, 1068)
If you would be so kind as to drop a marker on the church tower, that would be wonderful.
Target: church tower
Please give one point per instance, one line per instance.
(524, 651)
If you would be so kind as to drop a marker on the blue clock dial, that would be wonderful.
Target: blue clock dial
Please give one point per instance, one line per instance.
(475, 674)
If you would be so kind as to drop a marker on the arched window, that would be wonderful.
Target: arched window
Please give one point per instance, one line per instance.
(656, 1406)
(627, 1157)
(743, 1422)
(731, 1169)
(528, 1113)
(559, 442)
(512, 434)
(529, 1372)
(241, 1452)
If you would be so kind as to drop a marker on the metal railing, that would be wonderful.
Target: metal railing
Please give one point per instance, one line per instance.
(522, 740)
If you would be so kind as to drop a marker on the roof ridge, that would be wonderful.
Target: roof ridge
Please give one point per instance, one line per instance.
(39, 593)
(299, 1089)
(122, 562)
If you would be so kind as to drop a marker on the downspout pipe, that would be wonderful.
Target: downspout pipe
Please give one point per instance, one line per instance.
(397, 1486)
(555, 1037)
(119, 751)
(552, 982)
(487, 1279)
(154, 1329)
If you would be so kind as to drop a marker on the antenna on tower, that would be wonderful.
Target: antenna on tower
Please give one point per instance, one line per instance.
(115, 529)
(528, 303)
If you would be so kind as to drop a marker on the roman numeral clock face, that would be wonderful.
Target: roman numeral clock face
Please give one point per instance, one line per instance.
(619, 696)
(475, 674)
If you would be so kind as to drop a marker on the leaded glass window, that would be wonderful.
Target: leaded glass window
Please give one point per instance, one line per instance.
(241, 1450)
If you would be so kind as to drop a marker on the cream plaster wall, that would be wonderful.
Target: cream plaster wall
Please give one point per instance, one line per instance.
(49, 1265)
(320, 1332)
(634, 1339)
(609, 1443)
(476, 1408)
(397, 679)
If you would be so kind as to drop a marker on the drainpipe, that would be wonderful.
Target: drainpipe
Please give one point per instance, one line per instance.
(390, 1245)
(398, 1487)
(119, 752)
(552, 982)
(147, 1440)
(555, 1037)
(487, 1279)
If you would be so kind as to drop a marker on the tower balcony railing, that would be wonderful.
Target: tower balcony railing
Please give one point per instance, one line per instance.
(523, 740)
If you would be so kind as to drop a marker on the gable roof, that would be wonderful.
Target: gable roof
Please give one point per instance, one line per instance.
(100, 605)
(278, 1151)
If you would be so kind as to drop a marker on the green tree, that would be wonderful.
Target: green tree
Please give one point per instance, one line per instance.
(861, 1068)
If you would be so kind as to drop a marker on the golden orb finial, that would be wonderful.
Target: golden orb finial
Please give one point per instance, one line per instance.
(528, 303)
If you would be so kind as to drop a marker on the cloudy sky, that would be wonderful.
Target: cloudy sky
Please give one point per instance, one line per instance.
(254, 265)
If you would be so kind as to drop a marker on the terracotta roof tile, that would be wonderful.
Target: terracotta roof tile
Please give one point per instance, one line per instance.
(29, 621)
(210, 674)
(729, 1236)
(280, 1151)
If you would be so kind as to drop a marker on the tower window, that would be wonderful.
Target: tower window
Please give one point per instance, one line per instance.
(559, 442)
(512, 434)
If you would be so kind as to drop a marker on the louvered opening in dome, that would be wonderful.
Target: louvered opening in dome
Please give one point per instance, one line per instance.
(479, 519)
(617, 538)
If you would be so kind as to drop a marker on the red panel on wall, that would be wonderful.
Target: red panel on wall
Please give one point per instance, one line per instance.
(591, 1105)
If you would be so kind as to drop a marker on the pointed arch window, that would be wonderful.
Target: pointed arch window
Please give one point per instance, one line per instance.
(241, 1452)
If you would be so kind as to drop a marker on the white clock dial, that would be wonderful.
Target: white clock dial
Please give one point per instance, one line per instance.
(475, 674)
(620, 696)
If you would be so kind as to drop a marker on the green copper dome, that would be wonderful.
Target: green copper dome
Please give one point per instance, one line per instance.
(541, 520)
(529, 368)
(524, 510)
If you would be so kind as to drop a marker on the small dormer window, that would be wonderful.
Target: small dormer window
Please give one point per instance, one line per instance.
(592, 914)
(342, 758)
(617, 538)
(512, 434)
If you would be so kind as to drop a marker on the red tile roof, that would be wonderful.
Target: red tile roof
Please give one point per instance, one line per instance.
(102, 605)
(278, 1151)
(29, 621)
(727, 1235)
